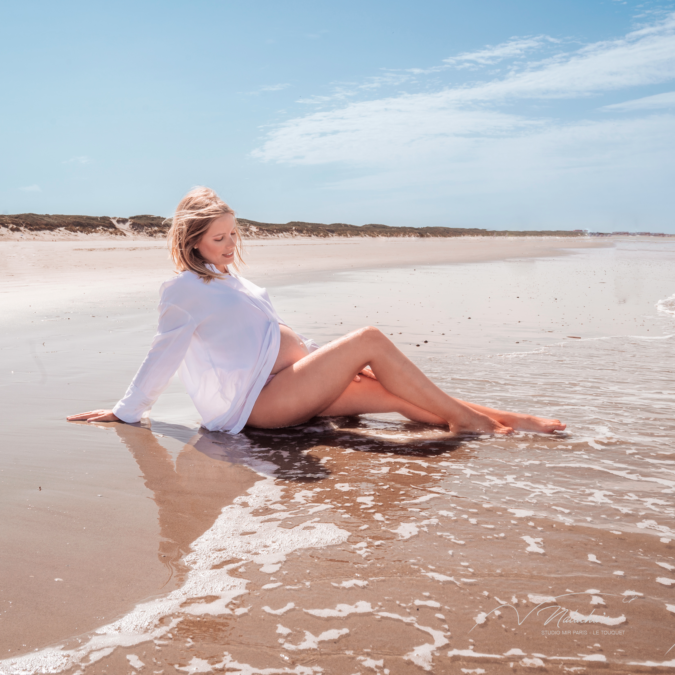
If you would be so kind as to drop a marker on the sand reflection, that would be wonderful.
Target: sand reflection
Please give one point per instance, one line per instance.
(213, 468)
(190, 493)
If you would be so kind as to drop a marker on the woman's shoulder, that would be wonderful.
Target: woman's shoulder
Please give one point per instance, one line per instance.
(179, 280)
(176, 286)
(246, 283)
(187, 286)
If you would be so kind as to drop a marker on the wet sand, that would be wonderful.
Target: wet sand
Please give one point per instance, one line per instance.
(348, 545)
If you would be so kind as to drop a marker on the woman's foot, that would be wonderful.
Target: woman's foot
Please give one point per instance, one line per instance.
(472, 422)
(540, 425)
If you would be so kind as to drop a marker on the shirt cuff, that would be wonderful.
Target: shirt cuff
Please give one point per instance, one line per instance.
(130, 409)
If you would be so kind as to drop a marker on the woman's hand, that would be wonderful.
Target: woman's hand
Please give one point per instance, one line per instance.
(95, 416)
(366, 372)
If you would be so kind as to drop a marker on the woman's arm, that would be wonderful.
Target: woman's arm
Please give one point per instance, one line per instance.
(168, 348)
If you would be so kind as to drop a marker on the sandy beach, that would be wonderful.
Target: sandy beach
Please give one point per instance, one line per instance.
(361, 545)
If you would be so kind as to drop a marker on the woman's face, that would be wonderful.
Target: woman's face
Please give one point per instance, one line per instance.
(217, 244)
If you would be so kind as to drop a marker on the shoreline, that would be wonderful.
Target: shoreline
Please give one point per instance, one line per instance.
(273, 262)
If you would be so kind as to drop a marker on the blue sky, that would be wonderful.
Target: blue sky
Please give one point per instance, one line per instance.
(519, 114)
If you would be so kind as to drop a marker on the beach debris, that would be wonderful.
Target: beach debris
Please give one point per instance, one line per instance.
(574, 337)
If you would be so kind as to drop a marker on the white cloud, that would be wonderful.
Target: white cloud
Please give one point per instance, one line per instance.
(343, 91)
(266, 88)
(596, 152)
(513, 48)
(397, 128)
(391, 77)
(484, 150)
(81, 159)
(598, 175)
(665, 100)
(31, 188)
(643, 57)
(382, 131)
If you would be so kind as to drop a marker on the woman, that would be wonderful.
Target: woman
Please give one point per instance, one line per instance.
(242, 365)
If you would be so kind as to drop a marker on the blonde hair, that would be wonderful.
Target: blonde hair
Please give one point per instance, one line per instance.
(193, 216)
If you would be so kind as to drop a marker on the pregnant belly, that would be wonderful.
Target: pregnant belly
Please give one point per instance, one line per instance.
(291, 349)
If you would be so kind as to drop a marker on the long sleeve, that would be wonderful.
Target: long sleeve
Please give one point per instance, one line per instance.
(167, 351)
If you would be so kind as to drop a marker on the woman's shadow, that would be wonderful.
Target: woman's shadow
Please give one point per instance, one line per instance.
(214, 468)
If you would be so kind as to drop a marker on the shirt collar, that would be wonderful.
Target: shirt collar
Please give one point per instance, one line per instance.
(215, 270)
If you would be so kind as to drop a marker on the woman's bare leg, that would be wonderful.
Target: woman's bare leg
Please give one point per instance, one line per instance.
(311, 385)
(369, 396)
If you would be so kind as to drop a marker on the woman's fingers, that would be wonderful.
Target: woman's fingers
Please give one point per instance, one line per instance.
(366, 372)
(108, 417)
(84, 416)
(94, 416)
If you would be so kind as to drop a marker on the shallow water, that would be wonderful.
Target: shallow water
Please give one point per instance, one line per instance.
(376, 545)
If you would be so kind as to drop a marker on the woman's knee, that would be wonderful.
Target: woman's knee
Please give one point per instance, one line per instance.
(371, 334)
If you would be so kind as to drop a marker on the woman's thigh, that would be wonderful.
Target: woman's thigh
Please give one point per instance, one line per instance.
(311, 385)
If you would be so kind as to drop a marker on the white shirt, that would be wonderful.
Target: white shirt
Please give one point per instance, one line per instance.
(223, 339)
